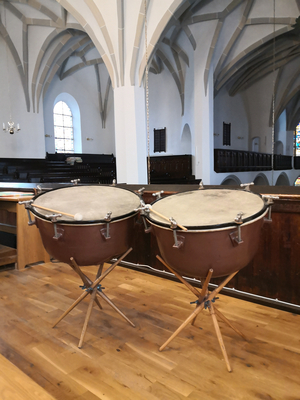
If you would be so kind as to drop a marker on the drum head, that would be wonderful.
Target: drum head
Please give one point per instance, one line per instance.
(207, 208)
(87, 203)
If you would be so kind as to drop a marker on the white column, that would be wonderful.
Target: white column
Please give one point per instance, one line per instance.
(130, 134)
(203, 125)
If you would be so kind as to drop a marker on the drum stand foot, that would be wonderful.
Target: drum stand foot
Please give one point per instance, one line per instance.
(204, 300)
(94, 289)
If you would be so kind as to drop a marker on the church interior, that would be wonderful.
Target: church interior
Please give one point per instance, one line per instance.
(154, 146)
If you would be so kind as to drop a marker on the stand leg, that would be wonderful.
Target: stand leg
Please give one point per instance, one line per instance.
(95, 283)
(204, 290)
(204, 298)
(85, 279)
(219, 335)
(194, 314)
(104, 297)
(87, 318)
(89, 311)
(76, 302)
(220, 315)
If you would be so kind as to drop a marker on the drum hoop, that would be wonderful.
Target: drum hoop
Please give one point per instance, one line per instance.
(206, 228)
(75, 222)
(85, 223)
(210, 227)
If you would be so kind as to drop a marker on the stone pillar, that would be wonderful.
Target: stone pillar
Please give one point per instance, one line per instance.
(203, 126)
(130, 134)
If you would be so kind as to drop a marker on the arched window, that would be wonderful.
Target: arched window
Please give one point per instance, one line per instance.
(63, 128)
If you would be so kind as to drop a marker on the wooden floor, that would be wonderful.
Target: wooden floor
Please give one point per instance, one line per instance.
(120, 362)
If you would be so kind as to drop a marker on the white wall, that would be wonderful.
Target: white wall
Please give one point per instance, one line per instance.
(82, 86)
(230, 109)
(29, 142)
(165, 111)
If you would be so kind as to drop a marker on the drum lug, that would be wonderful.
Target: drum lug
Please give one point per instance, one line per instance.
(28, 207)
(144, 211)
(147, 229)
(158, 194)
(178, 240)
(58, 232)
(140, 193)
(269, 200)
(236, 237)
(246, 186)
(105, 231)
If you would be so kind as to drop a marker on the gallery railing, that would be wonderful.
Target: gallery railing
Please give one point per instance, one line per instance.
(297, 162)
(239, 160)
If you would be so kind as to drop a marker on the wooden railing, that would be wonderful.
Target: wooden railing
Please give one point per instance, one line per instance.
(93, 168)
(297, 162)
(175, 169)
(239, 160)
(282, 162)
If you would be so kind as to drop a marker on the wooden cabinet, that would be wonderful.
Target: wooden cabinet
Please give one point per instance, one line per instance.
(14, 220)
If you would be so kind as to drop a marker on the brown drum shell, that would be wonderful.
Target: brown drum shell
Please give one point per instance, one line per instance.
(202, 250)
(85, 242)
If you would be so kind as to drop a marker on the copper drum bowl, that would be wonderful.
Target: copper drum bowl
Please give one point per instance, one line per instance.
(94, 223)
(223, 230)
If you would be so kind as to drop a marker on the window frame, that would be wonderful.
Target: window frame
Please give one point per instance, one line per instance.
(66, 113)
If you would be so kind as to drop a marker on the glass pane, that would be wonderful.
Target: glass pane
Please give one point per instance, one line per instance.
(58, 132)
(69, 145)
(59, 144)
(58, 108)
(68, 133)
(63, 128)
(66, 110)
(58, 119)
(68, 121)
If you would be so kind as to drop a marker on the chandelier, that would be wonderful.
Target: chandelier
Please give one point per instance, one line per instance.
(11, 128)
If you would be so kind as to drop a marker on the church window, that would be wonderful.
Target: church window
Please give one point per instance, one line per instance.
(63, 128)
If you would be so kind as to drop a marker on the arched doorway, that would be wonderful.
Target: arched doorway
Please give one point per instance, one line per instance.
(282, 180)
(261, 180)
(231, 180)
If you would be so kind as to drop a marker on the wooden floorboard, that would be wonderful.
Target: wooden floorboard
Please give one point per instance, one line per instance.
(119, 362)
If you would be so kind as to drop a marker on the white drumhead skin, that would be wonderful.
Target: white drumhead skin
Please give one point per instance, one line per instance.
(88, 203)
(207, 207)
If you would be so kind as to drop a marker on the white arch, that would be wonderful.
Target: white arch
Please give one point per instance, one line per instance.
(283, 180)
(278, 147)
(261, 180)
(231, 180)
(186, 140)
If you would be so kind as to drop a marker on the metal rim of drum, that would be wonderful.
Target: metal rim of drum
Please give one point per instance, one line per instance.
(83, 222)
(251, 218)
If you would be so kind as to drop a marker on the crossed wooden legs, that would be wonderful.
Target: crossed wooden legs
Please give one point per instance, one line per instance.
(93, 288)
(204, 299)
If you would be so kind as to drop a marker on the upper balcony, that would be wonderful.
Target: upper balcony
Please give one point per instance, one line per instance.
(239, 160)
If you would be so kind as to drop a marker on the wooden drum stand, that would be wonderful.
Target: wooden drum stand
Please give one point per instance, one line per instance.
(204, 300)
(93, 288)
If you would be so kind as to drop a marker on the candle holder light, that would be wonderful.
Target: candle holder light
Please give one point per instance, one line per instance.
(11, 128)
